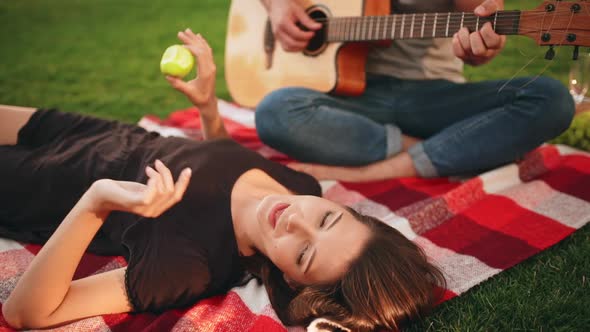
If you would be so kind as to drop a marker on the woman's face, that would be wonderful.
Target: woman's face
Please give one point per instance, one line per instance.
(311, 239)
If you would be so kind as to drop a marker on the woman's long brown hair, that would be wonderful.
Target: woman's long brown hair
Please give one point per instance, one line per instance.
(390, 284)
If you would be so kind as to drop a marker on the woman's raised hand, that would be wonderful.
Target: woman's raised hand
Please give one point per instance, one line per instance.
(148, 200)
(201, 90)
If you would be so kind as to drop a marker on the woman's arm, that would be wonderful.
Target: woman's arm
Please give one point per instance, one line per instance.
(201, 90)
(45, 295)
(211, 122)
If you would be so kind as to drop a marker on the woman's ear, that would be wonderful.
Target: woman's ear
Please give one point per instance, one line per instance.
(325, 325)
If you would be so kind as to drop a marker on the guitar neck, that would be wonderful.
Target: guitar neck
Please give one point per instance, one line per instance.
(419, 25)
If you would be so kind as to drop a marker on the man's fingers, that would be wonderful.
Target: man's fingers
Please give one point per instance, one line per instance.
(290, 28)
(463, 38)
(305, 20)
(478, 48)
(457, 49)
(486, 8)
(490, 38)
(291, 45)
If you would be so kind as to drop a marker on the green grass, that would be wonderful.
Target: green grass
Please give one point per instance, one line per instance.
(102, 57)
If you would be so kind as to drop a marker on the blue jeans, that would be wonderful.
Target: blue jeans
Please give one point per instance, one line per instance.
(467, 128)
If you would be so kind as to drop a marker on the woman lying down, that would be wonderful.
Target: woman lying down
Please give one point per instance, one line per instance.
(191, 219)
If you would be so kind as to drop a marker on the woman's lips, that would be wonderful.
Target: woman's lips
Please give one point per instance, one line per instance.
(276, 212)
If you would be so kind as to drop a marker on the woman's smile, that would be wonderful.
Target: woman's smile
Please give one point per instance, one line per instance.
(275, 212)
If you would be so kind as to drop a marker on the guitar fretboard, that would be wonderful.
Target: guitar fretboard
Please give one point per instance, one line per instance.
(415, 26)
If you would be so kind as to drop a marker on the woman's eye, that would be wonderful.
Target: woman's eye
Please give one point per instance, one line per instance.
(300, 257)
(324, 219)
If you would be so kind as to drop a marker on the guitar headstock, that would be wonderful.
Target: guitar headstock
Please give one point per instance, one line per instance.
(558, 23)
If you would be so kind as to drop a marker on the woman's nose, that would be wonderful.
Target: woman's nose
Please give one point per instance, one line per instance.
(295, 223)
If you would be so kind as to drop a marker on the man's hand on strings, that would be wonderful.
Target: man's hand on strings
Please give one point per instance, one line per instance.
(479, 47)
(284, 16)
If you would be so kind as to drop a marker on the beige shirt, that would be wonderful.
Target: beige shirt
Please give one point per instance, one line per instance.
(418, 59)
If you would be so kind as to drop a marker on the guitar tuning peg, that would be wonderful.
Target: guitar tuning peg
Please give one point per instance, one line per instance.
(576, 52)
(550, 53)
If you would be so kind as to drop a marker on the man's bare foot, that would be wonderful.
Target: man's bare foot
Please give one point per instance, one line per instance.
(319, 172)
(398, 166)
(408, 142)
(340, 173)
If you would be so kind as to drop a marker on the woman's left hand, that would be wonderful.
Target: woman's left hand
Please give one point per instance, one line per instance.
(201, 90)
(148, 200)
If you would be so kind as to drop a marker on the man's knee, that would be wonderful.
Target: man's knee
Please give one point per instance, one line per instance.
(273, 113)
(558, 108)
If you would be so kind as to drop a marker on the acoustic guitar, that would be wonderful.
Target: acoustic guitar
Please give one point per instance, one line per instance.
(334, 60)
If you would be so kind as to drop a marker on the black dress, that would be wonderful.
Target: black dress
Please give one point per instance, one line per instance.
(187, 253)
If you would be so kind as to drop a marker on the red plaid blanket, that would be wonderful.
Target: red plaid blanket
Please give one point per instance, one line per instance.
(472, 228)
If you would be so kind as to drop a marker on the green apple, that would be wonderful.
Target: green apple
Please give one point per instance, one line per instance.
(177, 61)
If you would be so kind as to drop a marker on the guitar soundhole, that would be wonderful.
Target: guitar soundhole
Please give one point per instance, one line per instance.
(318, 42)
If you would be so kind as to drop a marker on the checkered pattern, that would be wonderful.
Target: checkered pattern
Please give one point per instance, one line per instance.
(472, 228)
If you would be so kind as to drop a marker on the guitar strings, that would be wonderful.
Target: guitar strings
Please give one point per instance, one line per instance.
(419, 22)
(441, 26)
(557, 11)
(430, 27)
(455, 16)
(547, 65)
(522, 30)
(438, 27)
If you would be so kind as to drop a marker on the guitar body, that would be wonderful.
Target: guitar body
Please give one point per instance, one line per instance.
(255, 63)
